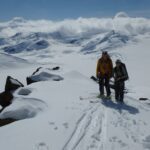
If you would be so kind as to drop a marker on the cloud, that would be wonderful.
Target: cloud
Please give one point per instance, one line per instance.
(77, 27)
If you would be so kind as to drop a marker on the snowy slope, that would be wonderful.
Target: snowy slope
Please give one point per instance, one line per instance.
(66, 114)
(8, 61)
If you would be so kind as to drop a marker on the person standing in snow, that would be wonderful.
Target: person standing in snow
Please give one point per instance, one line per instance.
(120, 76)
(104, 72)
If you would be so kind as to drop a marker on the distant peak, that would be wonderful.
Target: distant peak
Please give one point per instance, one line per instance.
(121, 15)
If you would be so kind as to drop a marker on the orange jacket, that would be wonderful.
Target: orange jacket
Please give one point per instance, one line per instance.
(104, 67)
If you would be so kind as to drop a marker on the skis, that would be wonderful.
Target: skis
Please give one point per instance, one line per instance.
(87, 98)
(91, 99)
(99, 99)
(95, 99)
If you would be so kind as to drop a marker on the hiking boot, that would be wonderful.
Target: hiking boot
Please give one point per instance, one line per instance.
(101, 96)
(121, 101)
(108, 97)
(117, 100)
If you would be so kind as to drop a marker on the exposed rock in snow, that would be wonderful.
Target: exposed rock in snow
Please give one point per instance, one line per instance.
(4, 122)
(12, 84)
(106, 41)
(7, 96)
(42, 74)
(41, 44)
(5, 99)
(26, 46)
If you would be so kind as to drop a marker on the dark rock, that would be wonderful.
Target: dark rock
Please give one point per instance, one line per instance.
(7, 96)
(5, 99)
(56, 68)
(143, 99)
(4, 122)
(12, 84)
(43, 75)
(30, 80)
(37, 70)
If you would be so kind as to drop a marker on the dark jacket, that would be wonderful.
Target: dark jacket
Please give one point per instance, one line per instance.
(120, 73)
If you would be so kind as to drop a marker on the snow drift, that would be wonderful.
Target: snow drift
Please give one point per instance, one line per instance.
(23, 108)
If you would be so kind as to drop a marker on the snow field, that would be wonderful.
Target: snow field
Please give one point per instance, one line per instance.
(67, 115)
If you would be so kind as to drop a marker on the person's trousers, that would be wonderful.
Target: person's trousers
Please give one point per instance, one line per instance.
(119, 91)
(104, 82)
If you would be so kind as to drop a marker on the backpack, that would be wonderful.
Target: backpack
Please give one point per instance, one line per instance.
(124, 71)
(121, 72)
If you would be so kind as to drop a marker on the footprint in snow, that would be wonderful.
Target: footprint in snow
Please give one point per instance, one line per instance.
(146, 142)
(66, 125)
(42, 146)
(53, 125)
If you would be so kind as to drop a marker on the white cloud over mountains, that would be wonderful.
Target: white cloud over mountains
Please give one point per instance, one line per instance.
(78, 27)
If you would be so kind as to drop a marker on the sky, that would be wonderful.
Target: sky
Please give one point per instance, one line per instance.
(64, 9)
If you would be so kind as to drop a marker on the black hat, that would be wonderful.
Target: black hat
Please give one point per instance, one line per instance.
(104, 53)
(118, 61)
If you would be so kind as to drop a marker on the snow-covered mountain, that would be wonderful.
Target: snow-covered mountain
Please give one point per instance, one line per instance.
(92, 35)
(66, 114)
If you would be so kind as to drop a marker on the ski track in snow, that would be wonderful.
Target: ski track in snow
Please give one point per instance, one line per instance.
(90, 127)
(93, 130)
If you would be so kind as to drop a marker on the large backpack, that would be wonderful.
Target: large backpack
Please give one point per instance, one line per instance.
(124, 71)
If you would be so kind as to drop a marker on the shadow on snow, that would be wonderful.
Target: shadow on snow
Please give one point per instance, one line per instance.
(120, 106)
